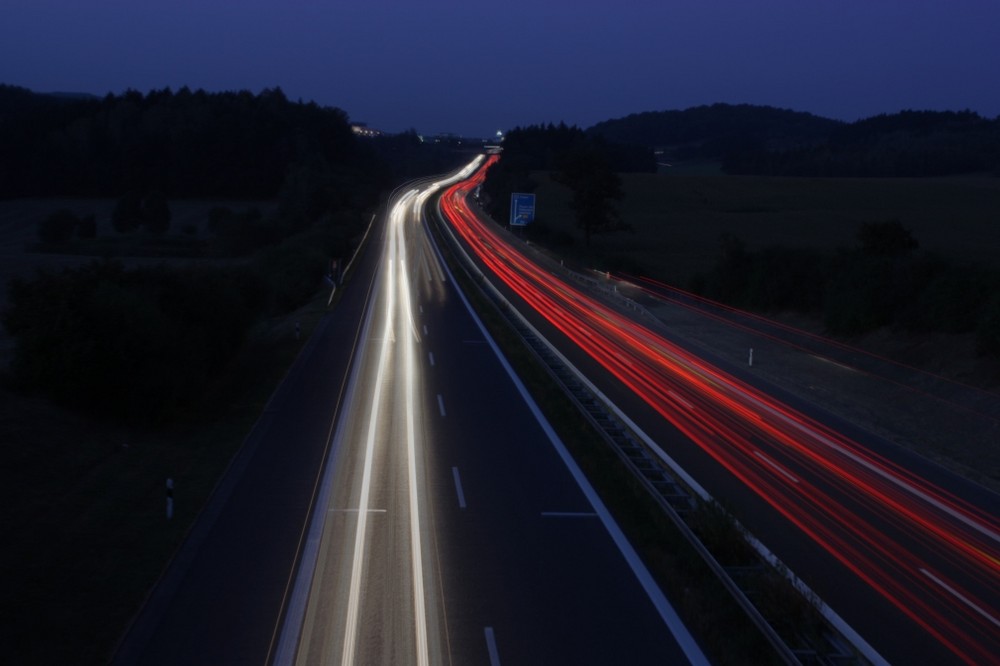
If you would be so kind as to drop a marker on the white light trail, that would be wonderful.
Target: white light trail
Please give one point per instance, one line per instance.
(354, 596)
(397, 284)
(416, 552)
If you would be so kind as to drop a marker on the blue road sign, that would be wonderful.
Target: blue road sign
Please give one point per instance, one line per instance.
(522, 209)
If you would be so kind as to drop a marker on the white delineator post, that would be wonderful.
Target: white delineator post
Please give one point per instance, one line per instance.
(170, 499)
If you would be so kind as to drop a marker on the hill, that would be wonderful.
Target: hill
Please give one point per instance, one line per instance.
(764, 140)
(710, 133)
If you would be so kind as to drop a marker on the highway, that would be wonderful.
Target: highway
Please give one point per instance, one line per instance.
(913, 565)
(401, 501)
(449, 525)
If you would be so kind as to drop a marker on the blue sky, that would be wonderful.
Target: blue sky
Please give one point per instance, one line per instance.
(473, 67)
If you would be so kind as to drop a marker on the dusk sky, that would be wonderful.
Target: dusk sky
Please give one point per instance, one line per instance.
(473, 67)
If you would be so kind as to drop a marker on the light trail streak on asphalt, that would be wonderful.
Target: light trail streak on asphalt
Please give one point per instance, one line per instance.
(354, 597)
(834, 490)
(338, 617)
(419, 608)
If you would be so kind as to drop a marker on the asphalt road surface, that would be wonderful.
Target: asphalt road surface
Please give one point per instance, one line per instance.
(400, 501)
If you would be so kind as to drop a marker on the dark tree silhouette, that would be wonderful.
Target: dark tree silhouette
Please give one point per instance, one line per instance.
(58, 227)
(886, 239)
(156, 213)
(127, 215)
(596, 187)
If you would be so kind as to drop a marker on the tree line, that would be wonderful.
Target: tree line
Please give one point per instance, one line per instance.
(147, 344)
(882, 281)
(761, 140)
(186, 144)
(587, 165)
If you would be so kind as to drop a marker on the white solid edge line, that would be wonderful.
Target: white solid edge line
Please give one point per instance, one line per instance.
(458, 487)
(667, 613)
(776, 467)
(961, 597)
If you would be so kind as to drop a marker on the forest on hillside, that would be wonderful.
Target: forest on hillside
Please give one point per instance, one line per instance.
(184, 143)
(763, 140)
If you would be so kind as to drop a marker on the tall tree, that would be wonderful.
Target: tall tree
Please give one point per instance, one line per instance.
(156, 213)
(127, 215)
(596, 187)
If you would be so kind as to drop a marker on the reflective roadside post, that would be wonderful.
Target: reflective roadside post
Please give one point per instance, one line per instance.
(170, 499)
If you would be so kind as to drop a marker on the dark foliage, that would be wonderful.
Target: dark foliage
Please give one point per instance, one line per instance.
(880, 282)
(906, 144)
(184, 143)
(87, 228)
(135, 344)
(144, 345)
(155, 213)
(127, 215)
(718, 131)
(409, 156)
(886, 239)
(59, 227)
(566, 150)
(587, 171)
(750, 139)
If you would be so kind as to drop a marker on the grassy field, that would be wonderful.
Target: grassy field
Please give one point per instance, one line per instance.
(19, 221)
(677, 220)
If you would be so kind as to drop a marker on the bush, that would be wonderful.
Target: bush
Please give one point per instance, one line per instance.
(156, 213)
(127, 215)
(136, 345)
(87, 227)
(58, 227)
(293, 271)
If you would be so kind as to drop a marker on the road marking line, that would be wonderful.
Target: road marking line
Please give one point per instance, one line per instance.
(458, 487)
(441, 404)
(961, 597)
(425, 329)
(430, 356)
(356, 510)
(784, 472)
(832, 362)
(569, 514)
(680, 399)
(491, 645)
(887, 475)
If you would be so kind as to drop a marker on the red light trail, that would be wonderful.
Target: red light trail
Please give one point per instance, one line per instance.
(801, 468)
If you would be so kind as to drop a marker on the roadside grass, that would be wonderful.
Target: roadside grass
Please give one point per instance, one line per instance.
(181, 244)
(677, 220)
(719, 625)
(83, 502)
